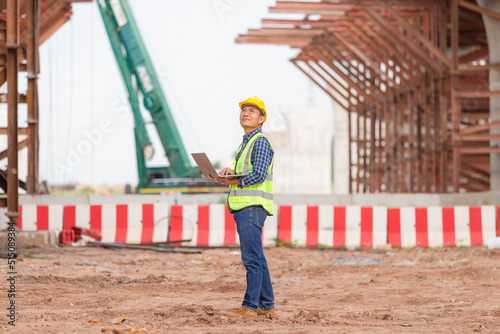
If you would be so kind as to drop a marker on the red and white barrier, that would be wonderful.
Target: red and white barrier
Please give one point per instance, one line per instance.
(130, 223)
(441, 226)
(270, 231)
(204, 225)
(498, 221)
(211, 226)
(350, 226)
(309, 226)
(40, 217)
(4, 220)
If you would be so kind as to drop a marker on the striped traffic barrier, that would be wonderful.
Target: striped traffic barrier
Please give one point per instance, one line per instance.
(40, 217)
(309, 226)
(203, 225)
(498, 221)
(441, 226)
(333, 226)
(128, 223)
(270, 230)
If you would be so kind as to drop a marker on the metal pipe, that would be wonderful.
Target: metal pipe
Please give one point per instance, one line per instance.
(455, 111)
(443, 106)
(428, 139)
(349, 129)
(400, 143)
(358, 160)
(365, 155)
(379, 147)
(411, 140)
(33, 29)
(373, 118)
(388, 147)
(12, 96)
(395, 144)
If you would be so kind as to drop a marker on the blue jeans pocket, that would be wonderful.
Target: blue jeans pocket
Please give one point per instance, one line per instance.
(258, 216)
(249, 216)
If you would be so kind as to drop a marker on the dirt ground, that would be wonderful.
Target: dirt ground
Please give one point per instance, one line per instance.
(60, 290)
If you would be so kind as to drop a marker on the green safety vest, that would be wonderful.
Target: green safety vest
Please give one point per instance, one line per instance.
(256, 194)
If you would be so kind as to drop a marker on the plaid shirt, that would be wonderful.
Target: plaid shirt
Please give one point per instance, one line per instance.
(262, 155)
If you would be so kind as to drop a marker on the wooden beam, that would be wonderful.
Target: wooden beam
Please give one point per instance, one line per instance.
(3, 76)
(408, 27)
(478, 68)
(320, 86)
(340, 73)
(402, 41)
(479, 128)
(308, 8)
(341, 58)
(49, 28)
(478, 9)
(479, 150)
(295, 32)
(21, 98)
(403, 62)
(361, 53)
(479, 137)
(474, 55)
(21, 131)
(383, 54)
(303, 23)
(22, 144)
(292, 42)
(474, 94)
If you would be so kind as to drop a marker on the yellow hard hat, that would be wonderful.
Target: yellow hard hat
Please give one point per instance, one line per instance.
(256, 102)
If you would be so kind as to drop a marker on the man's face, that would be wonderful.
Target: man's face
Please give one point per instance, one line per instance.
(250, 117)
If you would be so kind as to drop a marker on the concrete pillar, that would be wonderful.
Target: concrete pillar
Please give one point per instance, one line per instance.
(492, 28)
(302, 153)
(341, 152)
(309, 137)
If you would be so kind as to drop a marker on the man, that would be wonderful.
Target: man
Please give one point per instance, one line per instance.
(251, 201)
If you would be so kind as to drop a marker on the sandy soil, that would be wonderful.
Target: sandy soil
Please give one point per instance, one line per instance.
(317, 291)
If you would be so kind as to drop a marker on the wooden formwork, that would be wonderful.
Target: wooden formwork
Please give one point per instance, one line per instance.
(413, 76)
(24, 25)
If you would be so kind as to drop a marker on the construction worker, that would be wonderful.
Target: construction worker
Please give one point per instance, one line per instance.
(250, 201)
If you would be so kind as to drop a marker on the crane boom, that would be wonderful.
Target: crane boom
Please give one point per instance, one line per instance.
(141, 81)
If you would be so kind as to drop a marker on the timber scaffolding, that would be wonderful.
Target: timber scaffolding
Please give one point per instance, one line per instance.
(24, 26)
(413, 76)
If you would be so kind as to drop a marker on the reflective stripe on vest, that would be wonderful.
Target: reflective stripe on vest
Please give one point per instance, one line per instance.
(257, 194)
(261, 193)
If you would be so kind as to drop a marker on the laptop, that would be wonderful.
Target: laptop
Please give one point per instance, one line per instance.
(208, 169)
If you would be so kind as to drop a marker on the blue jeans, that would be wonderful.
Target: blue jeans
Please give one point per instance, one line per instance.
(249, 223)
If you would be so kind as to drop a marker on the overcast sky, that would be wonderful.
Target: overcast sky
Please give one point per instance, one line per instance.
(86, 125)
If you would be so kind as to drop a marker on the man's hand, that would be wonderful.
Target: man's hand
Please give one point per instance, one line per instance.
(226, 171)
(225, 180)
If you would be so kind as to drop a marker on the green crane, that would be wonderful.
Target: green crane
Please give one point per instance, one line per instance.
(141, 81)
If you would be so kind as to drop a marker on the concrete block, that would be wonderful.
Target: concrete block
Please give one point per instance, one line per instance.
(51, 199)
(171, 199)
(31, 239)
